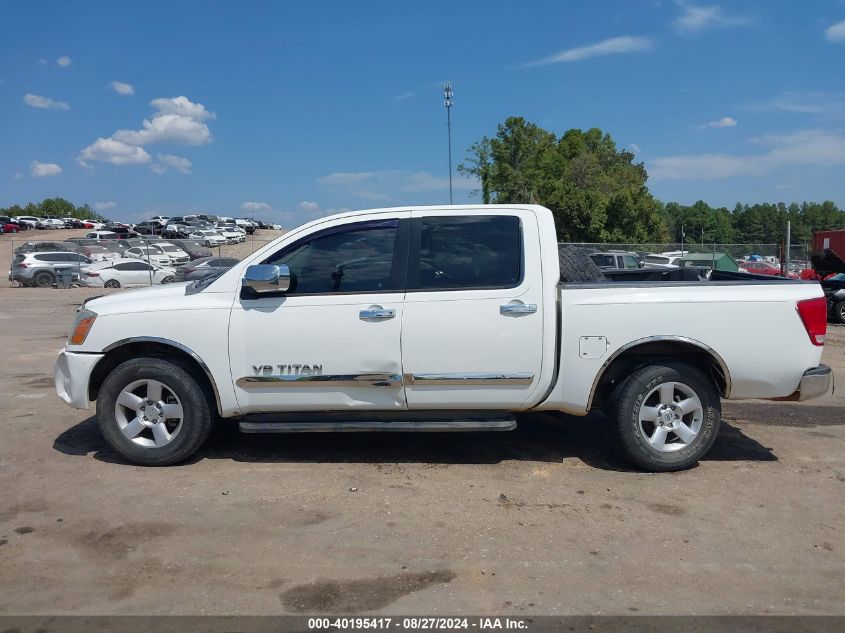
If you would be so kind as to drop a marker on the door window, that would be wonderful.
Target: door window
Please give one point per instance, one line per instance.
(352, 258)
(466, 253)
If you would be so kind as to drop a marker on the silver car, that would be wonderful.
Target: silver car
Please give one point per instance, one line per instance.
(41, 269)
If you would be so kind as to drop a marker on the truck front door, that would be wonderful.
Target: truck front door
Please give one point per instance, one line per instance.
(332, 341)
(472, 332)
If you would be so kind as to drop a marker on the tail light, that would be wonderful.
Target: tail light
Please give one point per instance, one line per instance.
(21, 265)
(813, 313)
(92, 274)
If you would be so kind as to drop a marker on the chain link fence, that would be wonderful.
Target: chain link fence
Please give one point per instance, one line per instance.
(49, 261)
(799, 254)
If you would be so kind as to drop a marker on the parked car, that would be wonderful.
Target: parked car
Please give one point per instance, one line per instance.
(149, 253)
(830, 270)
(347, 314)
(30, 220)
(98, 253)
(93, 225)
(149, 227)
(177, 255)
(232, 234)
(7, 226)
(120, 273)
(50, 223)
(760, 267)
(194, 249)
(207, 237)
(44, 247)
(205, 267)
(653, 260)
(177, 231)
(40, 269)
(246, 225)
(102, 235)
(616, 259)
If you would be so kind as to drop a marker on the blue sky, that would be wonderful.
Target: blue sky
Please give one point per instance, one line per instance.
(300, 108)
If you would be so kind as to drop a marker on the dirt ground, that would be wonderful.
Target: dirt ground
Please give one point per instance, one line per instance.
(542, 520)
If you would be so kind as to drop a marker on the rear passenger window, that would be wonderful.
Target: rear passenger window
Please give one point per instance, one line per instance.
(465, 253)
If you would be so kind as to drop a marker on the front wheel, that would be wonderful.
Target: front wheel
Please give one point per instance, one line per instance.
(838, 312)
(153, 412)
(665, 417)
(168, 280)
(112, 283)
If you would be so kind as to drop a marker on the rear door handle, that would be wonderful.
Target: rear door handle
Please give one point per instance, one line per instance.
(518, 308)
(377, 313)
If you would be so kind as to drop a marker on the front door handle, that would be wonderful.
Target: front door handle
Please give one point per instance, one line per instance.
(518, 308)
(374, 313)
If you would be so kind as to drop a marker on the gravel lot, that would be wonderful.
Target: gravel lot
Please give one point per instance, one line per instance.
(543, 520)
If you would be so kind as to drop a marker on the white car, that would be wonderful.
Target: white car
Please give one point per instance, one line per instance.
(102, 235)
(30, 220)
(208, 237)
(123, 272)
(50, 223)
(151, 253)
(388, 317)
(232, 235)
(177, 255)
(653, 260)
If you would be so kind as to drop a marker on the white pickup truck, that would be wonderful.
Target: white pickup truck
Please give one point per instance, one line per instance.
(439, 319)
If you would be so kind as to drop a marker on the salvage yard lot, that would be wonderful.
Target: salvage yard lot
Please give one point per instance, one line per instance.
(542, 520)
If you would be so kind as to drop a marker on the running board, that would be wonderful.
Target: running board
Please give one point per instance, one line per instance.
(329, 423)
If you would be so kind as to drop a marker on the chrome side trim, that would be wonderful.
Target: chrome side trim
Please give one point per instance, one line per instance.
(331, 380)
(662, 339)
(477, 378)
(180, 347)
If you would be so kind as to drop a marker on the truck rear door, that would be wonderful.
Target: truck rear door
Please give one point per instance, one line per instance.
(472, 328)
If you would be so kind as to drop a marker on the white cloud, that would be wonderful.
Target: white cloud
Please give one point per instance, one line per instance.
(822, 103)
(64, 61)
(311, 207)
(836, 32)
(408, 94)
(106, 205)
(635, 147)
(42, 61)
(17, 175)
(167, 161)
(41, 170)
(109, 150)
(256, 206)
(698, 18)
(178, 120)
(45, 103)
(615, 45)
(383, 185)
(725, 121)
(122, 88)
(806, 147)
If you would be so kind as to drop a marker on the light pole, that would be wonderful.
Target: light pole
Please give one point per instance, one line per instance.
(447, 101)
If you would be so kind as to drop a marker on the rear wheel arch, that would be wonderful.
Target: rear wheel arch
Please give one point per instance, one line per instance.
(657, 349)
(127, 349)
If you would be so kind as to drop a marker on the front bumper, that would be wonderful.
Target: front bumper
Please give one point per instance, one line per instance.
(71, 375)
(814, 383)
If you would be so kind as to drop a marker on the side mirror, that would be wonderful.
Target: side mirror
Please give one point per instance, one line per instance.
(267, 278)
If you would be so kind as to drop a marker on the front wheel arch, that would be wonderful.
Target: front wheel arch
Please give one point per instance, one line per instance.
(121, 351)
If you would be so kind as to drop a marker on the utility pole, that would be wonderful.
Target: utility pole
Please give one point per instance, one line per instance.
(447, 101)
(788, 240)
(682, 240)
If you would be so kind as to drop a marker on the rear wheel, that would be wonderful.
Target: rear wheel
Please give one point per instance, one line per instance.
(153, 412)
(665, 417)
(112, 283)
(43, 279)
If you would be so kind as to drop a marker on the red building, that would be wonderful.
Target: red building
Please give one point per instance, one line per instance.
(834, 240)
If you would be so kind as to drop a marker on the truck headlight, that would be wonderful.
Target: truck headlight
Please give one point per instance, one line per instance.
(81, 326)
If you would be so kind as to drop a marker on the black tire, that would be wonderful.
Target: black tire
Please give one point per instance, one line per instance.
(623, 412)
(168, 280)
(195, 400)
(838, 312)
(576, 266)
(43, 279)
(112, 283)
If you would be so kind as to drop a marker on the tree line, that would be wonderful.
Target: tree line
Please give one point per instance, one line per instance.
(55, 207)
(597, 193)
